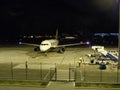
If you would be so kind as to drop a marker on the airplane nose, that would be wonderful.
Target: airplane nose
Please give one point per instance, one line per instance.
(43, 49)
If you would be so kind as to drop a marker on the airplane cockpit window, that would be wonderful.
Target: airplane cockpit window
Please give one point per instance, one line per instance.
(44, 44)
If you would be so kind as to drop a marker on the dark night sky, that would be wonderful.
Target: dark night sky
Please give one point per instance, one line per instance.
(42, 16)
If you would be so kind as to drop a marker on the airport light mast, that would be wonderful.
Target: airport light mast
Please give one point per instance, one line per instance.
(119, 34)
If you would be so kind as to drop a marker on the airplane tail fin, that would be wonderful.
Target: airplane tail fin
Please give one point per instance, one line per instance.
(56, 36)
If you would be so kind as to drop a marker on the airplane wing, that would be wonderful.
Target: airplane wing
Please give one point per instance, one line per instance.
(30, 44)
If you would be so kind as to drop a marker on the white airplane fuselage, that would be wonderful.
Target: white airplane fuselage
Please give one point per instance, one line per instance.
(48, 44)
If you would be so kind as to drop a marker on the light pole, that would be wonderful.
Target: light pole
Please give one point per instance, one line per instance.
(119, 34)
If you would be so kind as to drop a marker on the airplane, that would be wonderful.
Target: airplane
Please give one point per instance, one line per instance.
(51, 44)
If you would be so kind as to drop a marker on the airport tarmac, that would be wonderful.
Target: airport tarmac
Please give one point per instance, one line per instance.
(18, 55)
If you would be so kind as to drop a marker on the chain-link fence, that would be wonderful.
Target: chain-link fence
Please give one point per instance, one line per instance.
(48, 71)
(27, 71)
(93, 73)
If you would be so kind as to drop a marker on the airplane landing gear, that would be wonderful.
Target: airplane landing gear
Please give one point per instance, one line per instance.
(36, 49)
(61, 50)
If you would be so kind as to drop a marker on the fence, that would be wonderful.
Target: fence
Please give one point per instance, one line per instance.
(92, 73)
(47, 71)
(27, 71)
